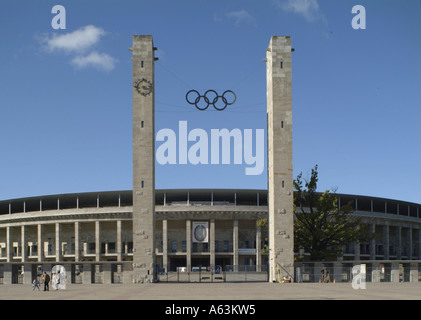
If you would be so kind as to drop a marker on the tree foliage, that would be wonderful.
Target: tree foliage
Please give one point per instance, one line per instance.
(263, 224)
(320, 227)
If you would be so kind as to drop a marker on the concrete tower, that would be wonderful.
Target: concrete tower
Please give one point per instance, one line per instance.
(143, 159)
(280, 179)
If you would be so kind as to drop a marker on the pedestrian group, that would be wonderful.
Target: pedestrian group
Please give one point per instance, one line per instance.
(45, 279)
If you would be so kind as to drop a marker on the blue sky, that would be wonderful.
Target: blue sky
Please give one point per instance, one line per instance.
(66, 104)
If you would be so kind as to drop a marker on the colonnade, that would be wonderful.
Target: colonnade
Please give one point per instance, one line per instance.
(17, 248)
(394, 241)
(212, 252)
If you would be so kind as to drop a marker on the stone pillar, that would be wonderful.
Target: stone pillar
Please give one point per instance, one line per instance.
(212, 243)
(40, 243)
(9, 244)
(23, 243)
(279, 145)
(58, 244)
(188, 245)
(143, 159)
(97, 241)
(119, 241)
(165, 244)
(77, 241)
(258, 248)
(235, 244)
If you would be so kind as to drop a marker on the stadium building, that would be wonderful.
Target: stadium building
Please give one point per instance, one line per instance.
(147, 235)
(91, 235)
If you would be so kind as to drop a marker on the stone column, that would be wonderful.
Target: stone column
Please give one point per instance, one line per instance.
(9, 244)
(143, 159)
(40, 243)
(58, 243)
(119, 241)
(165, 244)
(23, 243)
(97, 241)
(212, 243)
(235, 244)
(279, 151)
(258, 248)
(77, 241)
(188, 245)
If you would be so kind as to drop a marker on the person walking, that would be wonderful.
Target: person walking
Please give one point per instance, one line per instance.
(46, 282)
(35, 284)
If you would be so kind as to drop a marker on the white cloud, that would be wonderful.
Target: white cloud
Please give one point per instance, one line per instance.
(80, 44)
(101, 61)
(76, 41)
(241, 16)
(309, 9)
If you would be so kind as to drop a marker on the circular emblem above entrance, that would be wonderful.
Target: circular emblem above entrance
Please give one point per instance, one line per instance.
(200, 232)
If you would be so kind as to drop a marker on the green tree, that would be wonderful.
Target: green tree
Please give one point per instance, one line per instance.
(320, 227)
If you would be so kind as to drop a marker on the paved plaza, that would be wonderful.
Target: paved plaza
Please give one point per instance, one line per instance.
(217, 291)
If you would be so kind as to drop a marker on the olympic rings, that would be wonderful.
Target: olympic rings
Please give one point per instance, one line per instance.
(212, 99)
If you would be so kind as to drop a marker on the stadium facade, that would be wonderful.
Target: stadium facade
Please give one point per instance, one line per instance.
(91, 235)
